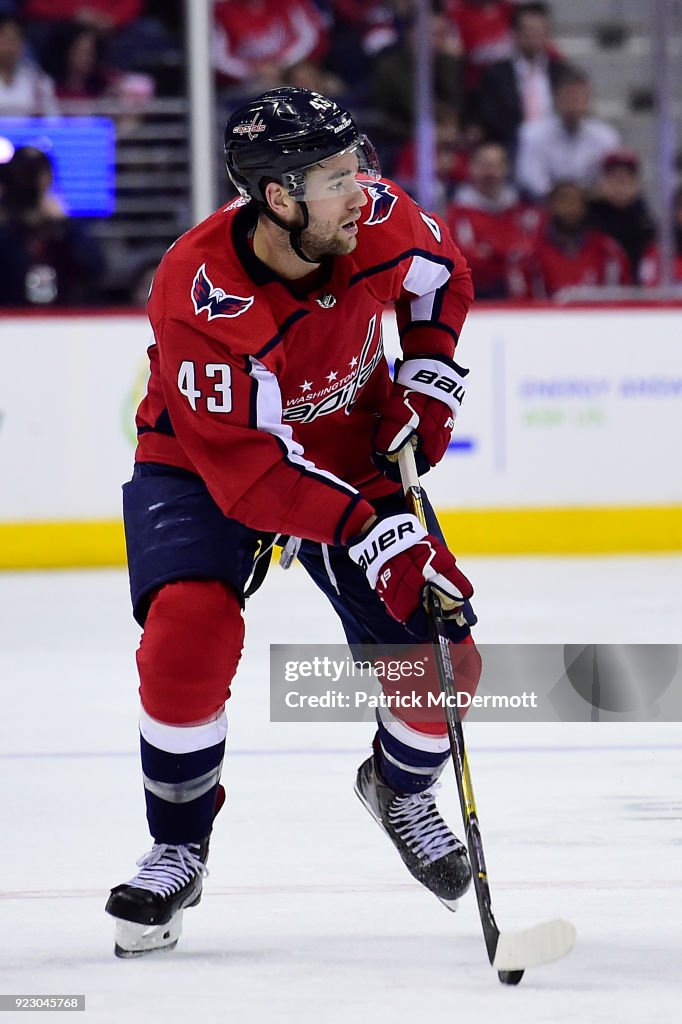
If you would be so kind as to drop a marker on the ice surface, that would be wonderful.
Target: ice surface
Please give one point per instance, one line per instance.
(308, 913)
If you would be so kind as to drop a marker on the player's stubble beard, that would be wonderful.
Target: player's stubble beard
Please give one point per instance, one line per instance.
(323, 238)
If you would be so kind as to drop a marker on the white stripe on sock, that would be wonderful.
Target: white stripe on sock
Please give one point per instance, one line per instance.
(183, 739)
(413, 769)
(412, 737)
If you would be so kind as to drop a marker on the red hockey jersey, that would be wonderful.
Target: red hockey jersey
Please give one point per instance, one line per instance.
(494, 242)
(265, 32)
(485, 29)
(650, 272)
(596, 260)
(118, 12)
(271, 393)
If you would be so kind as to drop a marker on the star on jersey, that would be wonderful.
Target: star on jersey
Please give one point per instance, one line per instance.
(339, 396)
(216, 301)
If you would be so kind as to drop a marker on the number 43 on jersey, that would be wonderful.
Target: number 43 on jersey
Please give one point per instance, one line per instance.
(221, 398)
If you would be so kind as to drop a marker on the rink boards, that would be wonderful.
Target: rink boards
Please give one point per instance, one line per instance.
(567, 441)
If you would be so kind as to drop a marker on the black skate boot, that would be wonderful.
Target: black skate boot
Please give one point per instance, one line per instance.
(149, 907)
(432, 854)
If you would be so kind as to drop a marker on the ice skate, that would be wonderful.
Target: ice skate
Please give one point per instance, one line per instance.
(432, 854)
(149, 907)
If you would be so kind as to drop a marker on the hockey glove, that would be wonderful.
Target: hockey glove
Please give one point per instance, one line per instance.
(399, 559)
(424, 401)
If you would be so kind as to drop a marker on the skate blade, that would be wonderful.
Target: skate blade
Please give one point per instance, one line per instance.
(132, 940)
(452, 905)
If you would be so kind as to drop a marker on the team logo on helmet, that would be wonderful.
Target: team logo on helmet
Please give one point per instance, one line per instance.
(214, 300)
(383, 201)
(252, 130)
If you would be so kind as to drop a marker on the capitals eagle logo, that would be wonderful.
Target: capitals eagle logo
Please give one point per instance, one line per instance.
(216, 301)
(383, 201)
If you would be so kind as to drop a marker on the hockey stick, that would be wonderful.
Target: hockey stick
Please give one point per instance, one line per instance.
(510, 953)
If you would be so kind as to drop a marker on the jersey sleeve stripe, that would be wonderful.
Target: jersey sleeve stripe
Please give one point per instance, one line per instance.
(338, 533)
(409, 253)
(438, 303)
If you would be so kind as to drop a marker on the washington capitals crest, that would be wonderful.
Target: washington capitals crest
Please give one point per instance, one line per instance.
(383, 201)
(216, 301)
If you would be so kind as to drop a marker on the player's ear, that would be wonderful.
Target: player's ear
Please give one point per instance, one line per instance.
(279, 200)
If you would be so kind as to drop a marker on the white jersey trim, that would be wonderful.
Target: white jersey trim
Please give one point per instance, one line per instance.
(423, 279)
(269, 419)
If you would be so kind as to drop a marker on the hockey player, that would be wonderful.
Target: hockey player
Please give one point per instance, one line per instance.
(270, 410)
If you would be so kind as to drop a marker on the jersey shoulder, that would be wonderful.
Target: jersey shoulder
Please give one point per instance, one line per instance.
(392, 224)
(202, 283)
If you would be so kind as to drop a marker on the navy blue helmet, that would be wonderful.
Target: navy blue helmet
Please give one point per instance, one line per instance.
(283, 133)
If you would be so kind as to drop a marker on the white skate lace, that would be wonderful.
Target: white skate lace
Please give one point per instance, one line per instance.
(166, 869)
(416, 820)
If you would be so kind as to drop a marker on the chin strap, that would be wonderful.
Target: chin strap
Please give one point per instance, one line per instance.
(294, 233)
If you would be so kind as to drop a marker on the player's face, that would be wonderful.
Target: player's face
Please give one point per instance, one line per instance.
(334, 199)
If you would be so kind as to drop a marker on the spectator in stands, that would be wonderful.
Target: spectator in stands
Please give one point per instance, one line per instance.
(103, 15)
(155, 44)
(620, 209)
(568, 144)
(484, 28)
(519, 89)
(74, 58)
(451, 158)
(374, 23)
(394, 75)
(568, 253)
(117, 22)
(257, 42)
(308, 74)
(490, 224)
(46, 258)
(25, 90)
(650, 271)
(361, 29)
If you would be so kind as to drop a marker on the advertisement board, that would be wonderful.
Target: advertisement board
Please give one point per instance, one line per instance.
(567, 438)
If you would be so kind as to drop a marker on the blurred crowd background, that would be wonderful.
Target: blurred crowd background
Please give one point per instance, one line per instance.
(545, 118)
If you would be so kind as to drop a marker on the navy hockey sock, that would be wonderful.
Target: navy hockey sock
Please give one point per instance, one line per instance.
(181, 783)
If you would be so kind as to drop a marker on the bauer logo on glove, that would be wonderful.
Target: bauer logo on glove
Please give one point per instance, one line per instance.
(423, 404)
(400, 558)
(391, 538)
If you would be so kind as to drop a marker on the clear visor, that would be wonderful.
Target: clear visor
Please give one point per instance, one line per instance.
(337, 175)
